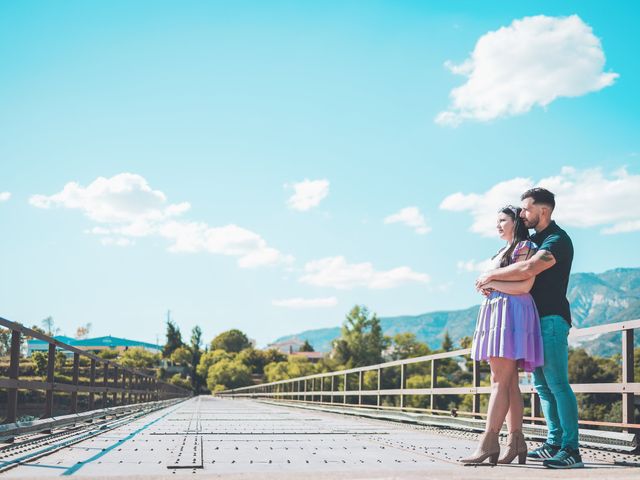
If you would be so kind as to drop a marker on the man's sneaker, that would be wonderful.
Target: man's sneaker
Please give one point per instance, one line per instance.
(543, 452)
(567, 457)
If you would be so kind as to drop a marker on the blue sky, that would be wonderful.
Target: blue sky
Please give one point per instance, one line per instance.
(205, 119)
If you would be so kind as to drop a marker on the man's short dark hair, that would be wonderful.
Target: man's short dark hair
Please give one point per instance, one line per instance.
(540, 196)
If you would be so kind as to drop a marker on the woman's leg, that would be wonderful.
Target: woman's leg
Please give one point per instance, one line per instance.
(516, 405)
(502, 371)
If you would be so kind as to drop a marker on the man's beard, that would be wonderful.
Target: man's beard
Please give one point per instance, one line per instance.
(532, 223)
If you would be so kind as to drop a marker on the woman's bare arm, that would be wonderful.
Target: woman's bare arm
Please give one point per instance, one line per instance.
(518, 287)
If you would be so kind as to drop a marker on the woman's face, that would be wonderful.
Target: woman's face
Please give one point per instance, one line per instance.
(505, 226)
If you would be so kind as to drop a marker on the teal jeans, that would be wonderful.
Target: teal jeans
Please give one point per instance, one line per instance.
(552, 383)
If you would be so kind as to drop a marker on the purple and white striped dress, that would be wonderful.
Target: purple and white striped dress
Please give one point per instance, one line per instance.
(508, 326)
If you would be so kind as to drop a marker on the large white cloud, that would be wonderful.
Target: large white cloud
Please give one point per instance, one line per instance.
(306, 302)
(308, 194)
(584, 198)
(4, 196)
(411, 217)
(125, 207)
(335, 272)
(531, 62)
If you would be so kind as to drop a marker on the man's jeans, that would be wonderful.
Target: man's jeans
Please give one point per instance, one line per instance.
(552, 383)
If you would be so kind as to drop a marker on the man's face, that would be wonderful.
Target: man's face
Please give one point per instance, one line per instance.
(530, 213)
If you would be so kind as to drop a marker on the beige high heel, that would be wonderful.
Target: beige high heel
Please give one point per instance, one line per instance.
(489, 448)
(516, 447)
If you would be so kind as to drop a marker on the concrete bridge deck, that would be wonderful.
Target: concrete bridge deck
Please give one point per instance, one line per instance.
(222, 438)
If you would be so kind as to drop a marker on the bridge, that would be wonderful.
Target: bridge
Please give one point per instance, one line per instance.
(330, 425)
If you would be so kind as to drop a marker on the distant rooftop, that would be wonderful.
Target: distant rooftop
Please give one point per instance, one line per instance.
(97, 342)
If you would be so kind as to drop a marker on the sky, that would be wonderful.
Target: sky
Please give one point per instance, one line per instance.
(266, 165)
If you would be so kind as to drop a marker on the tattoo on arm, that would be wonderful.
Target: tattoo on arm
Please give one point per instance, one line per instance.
(547, 257)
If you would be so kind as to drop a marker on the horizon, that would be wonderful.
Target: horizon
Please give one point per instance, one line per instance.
(267, 167)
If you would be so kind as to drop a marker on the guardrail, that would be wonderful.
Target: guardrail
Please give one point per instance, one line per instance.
(123, 384)
(311, 388)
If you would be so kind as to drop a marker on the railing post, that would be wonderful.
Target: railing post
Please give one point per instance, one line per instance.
(92, 382)
(360, 388)
(344, 389)
(123, 396)
(434, 382)
(627, 377)
(75, 375)
(321, 389)
(476, 383)
(403, 382)
(333, 386)
(14, 372)
(105, 384)
(378, 399)
(115, 386)
(51, 363)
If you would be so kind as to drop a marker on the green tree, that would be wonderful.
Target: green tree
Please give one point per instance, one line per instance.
(174, 339)
(196, 353)
(229, 373)
(230, 341)
(405, 345)
(361, 341)
(138, 357)
(40, 361)
(181, 356)
(211, 358)
(293, 367)
(109, 353)
(307, 347)
(181, 382)
(447, 343)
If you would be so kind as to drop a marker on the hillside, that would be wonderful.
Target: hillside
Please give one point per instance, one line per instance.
(612, 296)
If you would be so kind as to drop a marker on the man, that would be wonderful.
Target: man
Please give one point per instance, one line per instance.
(551, 265)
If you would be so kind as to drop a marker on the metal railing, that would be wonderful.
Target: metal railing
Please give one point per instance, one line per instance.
(311, 388)
(106, 378)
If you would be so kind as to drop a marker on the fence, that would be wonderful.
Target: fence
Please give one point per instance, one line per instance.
(311, 388)
(106, 378)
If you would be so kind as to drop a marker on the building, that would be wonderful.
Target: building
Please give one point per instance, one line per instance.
(287, 346)
(93, 344)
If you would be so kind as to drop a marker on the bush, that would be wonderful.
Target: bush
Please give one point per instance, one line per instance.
(230, 373)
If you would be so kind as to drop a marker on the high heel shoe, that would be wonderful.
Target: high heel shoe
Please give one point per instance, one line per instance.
(489, 448)
(516, 447)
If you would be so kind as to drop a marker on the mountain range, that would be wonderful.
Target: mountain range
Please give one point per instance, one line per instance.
(596, 299)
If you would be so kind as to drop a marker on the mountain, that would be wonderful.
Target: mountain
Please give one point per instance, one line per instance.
(596, 299)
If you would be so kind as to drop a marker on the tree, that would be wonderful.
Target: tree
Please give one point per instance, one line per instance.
(291, 368)
(230, 341)
(181, 356)
(178, 381)
(361, 342)
(49, 325)
(5, 341)
(138, 357)
(447, 343)
(83, 330)
(229, 373)
(405, 345)
(174, 339)
(306, 347)
(109, 353)
(196, 353)
(40, 360)
(210, 358)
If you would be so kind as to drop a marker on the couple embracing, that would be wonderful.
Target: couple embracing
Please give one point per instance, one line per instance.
(523, 323)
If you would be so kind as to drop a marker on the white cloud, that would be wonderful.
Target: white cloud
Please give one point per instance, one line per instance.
(473, 266)
(531, 62)
(411, 217)
(4, 196)
(126, 207)
(308, 194)
(335, 272)
(118, 242)
(125, 198)
(584, 198)
(306, 302)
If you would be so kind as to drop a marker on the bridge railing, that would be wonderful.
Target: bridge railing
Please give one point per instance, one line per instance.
(322, 388)
(114, 384)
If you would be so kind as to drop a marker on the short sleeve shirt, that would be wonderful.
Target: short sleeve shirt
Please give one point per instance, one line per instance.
(550, 288)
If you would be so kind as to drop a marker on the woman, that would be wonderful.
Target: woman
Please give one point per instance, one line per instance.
(508, 335)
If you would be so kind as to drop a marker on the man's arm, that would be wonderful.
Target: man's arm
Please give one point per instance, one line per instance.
(541, 261)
